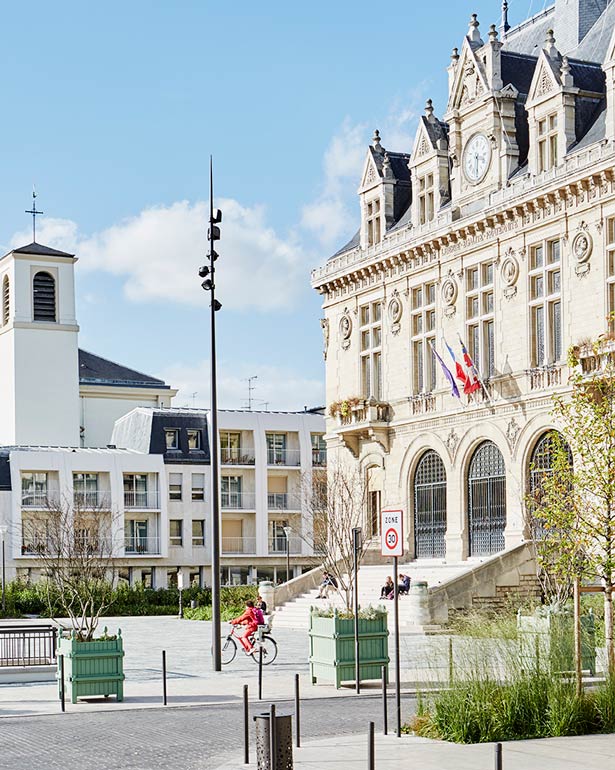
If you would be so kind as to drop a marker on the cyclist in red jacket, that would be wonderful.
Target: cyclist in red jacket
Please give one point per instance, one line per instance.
(250, 621)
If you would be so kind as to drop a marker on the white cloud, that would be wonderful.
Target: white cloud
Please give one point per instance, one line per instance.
(277, 387)
(160, 250)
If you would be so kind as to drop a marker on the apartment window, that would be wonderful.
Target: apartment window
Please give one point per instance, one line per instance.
(85, 488)
(6, 299)
(319, 450)
(175, 531)
(198, 487)
(198, 531)
(276, 448)
(610, 273)
(171, 438)
(44, 297)
(175, 486)
(480, 324)
(373, 222)
(278, 536)
(33, 488)
(230, 489)
(371, 350)
(423, 325)
(426, 199)
(135, 490)
(545, 303)
(230, 447)
(547, 142)
(194, 440)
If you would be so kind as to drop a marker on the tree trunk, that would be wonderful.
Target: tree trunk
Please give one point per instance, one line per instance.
(608, 627)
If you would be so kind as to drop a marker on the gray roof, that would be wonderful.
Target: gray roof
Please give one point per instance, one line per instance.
(529, 36)
(518, 69)
(95, 370)
(352, 244)
(597, 131)
(594, 46)
(39, 250)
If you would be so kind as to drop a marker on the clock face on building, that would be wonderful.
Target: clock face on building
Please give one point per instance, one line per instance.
(476, 158)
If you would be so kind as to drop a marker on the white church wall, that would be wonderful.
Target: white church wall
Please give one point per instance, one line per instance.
(101, 410)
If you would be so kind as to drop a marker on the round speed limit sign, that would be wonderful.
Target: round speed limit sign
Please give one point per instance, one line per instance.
(391, 526)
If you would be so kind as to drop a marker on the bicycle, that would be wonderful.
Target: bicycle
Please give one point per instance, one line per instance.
(260, 639)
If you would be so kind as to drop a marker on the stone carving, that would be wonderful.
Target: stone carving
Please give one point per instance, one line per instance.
(449, 292)
(582, 246)
(452, 440)
(472, 86)
(423, 148)
(345, 329)
(324, 325)
(512, 433)
(545, 84)
(395, 312)
(510, 273)
(370, 175)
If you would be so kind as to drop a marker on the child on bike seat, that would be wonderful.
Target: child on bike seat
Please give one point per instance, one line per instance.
(250, 621)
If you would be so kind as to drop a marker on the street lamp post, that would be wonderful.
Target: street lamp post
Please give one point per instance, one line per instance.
(287, 531)
(3, 531)
(213, 235)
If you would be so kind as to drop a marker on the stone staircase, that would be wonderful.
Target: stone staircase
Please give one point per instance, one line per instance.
(295, 613)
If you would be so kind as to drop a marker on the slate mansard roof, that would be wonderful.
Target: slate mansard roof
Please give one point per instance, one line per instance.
(95, 370)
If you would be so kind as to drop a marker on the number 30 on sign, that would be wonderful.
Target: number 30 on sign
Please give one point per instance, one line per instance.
(392, 532)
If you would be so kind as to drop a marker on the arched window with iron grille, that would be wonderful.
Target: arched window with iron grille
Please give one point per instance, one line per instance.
(430, 507)
(542, 462)
(6, 300)
(44, 297)
(486, 500)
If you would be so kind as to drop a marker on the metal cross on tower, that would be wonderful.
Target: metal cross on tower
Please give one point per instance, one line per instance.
(34, 213)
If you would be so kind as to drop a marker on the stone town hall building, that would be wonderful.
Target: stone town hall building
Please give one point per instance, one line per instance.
(497, 226)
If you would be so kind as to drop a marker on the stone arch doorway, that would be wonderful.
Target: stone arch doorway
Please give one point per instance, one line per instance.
(429, 507)
(486, 500)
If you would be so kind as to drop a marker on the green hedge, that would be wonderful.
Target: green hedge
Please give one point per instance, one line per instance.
(41, 599)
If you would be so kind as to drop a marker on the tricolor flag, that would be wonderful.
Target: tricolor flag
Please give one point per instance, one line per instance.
(459, 371)
(473, 382)
(447, 373)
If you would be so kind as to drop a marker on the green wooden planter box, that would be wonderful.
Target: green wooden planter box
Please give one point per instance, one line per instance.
(332, 649)
(92, 669)
(551, 637)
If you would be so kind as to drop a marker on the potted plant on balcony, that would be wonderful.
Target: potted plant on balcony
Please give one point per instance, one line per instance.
(335, 504)
(80, 571)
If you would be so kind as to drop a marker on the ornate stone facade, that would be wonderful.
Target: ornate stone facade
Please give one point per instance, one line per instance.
(505, 242)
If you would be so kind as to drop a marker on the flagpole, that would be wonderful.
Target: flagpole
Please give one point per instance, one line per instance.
(478, 377)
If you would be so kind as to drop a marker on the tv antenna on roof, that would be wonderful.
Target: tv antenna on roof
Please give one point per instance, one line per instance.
(251, 388)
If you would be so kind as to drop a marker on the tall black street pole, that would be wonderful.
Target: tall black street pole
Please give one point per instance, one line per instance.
(213, 235)
(356, 545)
(3, 579)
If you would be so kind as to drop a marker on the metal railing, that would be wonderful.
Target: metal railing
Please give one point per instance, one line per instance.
(141, 545)
(237, 456)
(239, 545)
(38, 498)
(41, 545)
(319, 458)
(91, 498)
(237, 500)
(278, 545)
(141, 499)
(289, 457)
(282, 501)
(31, 646)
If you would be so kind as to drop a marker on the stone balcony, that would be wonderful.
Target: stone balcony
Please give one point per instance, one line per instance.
(594, 360)
(544, 377)
(368, 420)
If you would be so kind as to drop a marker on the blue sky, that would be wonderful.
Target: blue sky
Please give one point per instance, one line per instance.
(113, 109)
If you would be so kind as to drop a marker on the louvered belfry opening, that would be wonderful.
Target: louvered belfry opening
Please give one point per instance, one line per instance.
(44, 297)
(486, 500)
(430, 507)
(6, 299)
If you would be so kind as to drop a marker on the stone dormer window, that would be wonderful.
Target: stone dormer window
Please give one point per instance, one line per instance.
(6, 300)
(547, 142)
(373, 222)
(426, 199)
(44, 297)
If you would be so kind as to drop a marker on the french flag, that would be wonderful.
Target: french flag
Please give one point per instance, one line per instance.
(459, 371)
(473, 382)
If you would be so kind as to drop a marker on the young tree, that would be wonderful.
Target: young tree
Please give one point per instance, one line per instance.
(335, 503)
(578, 509)
(74, 542)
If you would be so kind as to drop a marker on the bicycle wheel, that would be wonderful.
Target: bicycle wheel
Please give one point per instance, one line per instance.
(229, 650)
(270, 650)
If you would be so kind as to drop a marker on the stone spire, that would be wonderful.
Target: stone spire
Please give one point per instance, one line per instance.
(567, 80)
(549, 46)
(429, 111)
(473, 32)
(493, 34)
(386, 167)
(454, 56)
(505, 24)
(378, 148)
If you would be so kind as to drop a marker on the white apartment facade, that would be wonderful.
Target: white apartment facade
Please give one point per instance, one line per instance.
(497, 226)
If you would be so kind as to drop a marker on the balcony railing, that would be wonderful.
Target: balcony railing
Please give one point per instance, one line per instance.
(39, 499)
(93, 545)
(238, 501)
(142, 545)
(239, 545)
(424, 403)
(141, 499)
(282, 501)
(277, 545)
(237, 456)
(91, 499)
(319, 458)
(289, 457)
(366, 411)
(545, 377)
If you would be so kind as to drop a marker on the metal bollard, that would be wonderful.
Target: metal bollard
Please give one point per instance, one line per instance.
(385, 714)
(297, 713)
(371, 749)
(260, 672)
(451, 670)
(273, 744)
(62, 691)
(498, 756)
(246, 727)
(164, 677)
